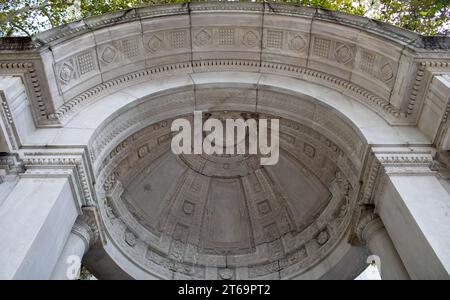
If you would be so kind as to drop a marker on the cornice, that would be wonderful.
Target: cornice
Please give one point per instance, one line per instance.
(62, 162)
(401, 163)
(405, 161)
(393, 33)
(429, 54)
(37, 90)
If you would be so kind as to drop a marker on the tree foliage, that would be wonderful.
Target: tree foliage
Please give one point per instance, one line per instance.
(27, 17)
(429, 17)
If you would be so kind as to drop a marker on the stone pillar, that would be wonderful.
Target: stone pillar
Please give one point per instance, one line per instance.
(415, 209)
(35, 222)
(379, 243)
(78, 243)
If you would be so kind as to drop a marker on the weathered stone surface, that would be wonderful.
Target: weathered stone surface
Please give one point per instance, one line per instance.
(87, 108)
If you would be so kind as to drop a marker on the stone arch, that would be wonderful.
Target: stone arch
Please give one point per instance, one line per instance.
(104, 154)
(370, 98)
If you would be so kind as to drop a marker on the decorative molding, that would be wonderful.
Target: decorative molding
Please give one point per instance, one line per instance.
(41, 105)
(415, 90)
(12, 138)
(370, 178)
(368, 224)
(383, 107)
(394, 34)
(17, 44)
(73, 163)
(430, 54)
(72, 106)
(91, 217)
(426, 71)
(382, 162)
(405, 163)
(11, 164)
(84, 231)
(326, 146)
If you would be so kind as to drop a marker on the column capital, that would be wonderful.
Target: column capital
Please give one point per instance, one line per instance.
(374, 236)
(84, 231)
(91, 218)
(368, 224)
(371, 228)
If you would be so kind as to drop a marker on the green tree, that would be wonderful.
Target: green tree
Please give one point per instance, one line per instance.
(429, 17)
(27, 17)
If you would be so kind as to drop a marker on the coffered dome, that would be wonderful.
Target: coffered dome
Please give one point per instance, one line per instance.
(194, 214)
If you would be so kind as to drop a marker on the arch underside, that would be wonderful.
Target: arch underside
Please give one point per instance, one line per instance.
(324, 134)
(197, 216)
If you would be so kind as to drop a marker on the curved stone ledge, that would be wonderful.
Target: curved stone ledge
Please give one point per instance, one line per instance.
(382, 66)
(394, 33)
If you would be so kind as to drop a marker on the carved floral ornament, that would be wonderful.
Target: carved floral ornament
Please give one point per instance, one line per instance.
(108, 54)
(203, 37)
(297, 42)
(344, 54)
(250, 39)
(387, 73)
(155, 43)
(66, 72)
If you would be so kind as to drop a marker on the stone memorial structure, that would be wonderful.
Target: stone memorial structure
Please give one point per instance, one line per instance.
(87, 172)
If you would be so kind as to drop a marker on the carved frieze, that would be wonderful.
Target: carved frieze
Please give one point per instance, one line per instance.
(75, 69)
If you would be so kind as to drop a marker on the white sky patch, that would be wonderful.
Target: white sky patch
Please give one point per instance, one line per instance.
(370, 273)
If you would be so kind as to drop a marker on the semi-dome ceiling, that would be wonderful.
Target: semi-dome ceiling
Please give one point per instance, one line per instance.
(328, 77)
(182, 216)
(353, 96)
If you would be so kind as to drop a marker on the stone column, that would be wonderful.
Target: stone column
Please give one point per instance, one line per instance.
(379, 243)
(415, 209)
(78, 243)
(35, 222)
